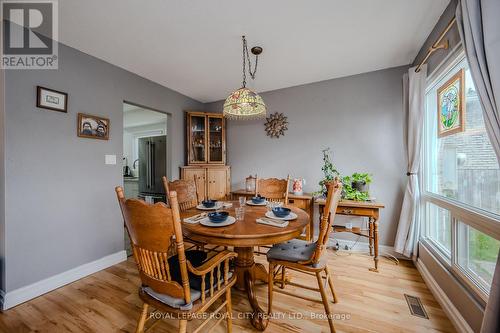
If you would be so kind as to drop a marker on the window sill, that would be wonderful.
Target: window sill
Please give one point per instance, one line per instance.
(437, 255)
(485, 222)
(437, 252)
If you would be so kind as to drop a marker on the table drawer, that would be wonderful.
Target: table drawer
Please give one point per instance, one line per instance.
(355, 211)
(299, 203)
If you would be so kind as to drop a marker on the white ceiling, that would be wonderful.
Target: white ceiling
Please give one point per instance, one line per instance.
(194, 47)
(134, 116)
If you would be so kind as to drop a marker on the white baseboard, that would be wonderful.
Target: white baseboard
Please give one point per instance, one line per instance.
(365, 248)
(23, 294)
(451, 311)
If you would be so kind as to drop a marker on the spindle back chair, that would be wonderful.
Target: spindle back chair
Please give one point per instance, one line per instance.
(153, 229)
(273, 189)
(304, 257)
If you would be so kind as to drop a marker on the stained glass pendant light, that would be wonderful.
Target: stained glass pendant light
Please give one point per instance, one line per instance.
(243, 103)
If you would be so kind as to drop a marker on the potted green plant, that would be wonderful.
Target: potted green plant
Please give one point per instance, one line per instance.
(360, 181)
(354, 187)
(329, 172)
(351, 186)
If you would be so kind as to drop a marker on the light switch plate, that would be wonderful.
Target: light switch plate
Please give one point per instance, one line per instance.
(110, 159)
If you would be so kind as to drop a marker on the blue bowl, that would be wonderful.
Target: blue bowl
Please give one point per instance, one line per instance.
(281, 211)
(258, 199)
(209, 203)
(218, 217)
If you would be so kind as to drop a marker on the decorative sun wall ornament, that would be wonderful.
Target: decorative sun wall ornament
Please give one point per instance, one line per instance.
(276, 125)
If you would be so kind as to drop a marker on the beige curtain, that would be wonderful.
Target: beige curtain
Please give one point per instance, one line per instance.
(407, 235)
(479, 27)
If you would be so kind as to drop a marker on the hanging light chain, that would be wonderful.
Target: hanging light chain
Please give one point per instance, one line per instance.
(246, 57)
(244, 62)
(249, 62)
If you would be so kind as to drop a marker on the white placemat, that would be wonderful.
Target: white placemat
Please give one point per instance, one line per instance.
(195, 219)
(275, 223)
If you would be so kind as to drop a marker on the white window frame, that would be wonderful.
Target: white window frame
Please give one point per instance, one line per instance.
(444, 253)
(483, 221)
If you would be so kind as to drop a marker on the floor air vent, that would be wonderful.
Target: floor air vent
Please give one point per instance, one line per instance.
(416, 307)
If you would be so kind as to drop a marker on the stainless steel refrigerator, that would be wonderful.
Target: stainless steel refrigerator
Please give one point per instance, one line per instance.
(152, 166)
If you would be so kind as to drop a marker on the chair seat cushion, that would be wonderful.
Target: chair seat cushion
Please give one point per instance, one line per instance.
(177, 303)
(294, 250)
(196, 258)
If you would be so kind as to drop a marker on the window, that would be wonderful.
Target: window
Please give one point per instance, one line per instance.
(478, 255)
(461, 188)
(439, 227)
(462, 166)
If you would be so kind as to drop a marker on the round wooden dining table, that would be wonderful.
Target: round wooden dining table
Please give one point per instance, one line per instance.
(243, 235)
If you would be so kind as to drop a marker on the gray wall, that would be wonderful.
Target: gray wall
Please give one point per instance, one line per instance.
(61, 209)
(360, 117)
(452, 36)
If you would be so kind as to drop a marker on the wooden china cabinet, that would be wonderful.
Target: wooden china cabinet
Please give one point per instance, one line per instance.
(206, 154)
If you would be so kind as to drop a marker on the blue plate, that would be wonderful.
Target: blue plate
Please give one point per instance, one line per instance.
(281, 211)
(218, 217)
(258, 199)
(208, 203)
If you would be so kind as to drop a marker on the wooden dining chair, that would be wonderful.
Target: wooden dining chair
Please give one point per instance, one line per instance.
(181, 285)
(305, 257)
(187, 191)
(273, 189)
(187, 196)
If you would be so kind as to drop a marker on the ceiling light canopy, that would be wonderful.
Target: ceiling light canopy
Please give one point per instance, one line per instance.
(243, 103)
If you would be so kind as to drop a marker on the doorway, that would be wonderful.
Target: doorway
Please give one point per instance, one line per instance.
(144, 155)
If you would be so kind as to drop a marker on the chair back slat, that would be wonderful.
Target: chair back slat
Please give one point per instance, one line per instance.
(332, 200)
(187, 192)
(273, 189)
(154, 229)
(203, 288)
(211, 283)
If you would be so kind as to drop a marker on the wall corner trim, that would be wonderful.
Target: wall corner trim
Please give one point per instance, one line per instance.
(26, 293)
(451, 311)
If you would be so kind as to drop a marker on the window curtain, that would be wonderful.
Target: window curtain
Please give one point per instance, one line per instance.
(413, 98)
(479, 27)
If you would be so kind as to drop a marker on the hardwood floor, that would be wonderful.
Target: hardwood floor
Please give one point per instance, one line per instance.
(370, 302)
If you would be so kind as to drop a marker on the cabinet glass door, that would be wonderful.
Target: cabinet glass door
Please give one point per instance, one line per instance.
(197, 151)
(216, 141)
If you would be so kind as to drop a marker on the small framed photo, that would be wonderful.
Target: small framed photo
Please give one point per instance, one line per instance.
(93, 127)
(51, 99)
(451, 105)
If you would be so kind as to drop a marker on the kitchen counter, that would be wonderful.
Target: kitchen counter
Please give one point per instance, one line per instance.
(131, 187)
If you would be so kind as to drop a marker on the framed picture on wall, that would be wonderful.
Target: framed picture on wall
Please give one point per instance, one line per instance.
(51, 99)
(93, 127)
(451, 106)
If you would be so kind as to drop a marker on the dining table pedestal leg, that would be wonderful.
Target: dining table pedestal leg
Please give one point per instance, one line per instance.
(247, 272)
